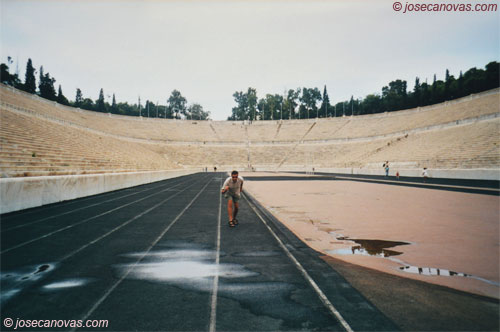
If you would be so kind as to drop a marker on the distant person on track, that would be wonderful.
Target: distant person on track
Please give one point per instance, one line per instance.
(386, 165)
(232, 189)
(425, 174)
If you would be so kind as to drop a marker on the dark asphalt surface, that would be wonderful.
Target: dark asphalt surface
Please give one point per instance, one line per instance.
(483, 187)
(162, 257)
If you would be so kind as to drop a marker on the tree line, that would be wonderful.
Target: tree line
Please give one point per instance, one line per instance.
(175, 107)
(306, 103)
(300, 103)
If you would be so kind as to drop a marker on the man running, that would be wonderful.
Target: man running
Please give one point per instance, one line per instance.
(232, 189)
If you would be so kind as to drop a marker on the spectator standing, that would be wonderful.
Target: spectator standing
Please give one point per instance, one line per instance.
(425, 174)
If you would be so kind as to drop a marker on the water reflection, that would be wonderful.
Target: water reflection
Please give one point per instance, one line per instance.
(429, 271)
(378, 248)
(369, 248)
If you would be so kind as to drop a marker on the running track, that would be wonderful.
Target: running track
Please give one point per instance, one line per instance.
(161, 257)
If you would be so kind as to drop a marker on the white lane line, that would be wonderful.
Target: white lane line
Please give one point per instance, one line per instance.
(122, 225)
(81, 222)
(67, 256)
(112, 288)
(306, 275)
(215, 288)
(78, 209)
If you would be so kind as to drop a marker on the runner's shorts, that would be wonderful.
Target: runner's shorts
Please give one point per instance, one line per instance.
(229, 196)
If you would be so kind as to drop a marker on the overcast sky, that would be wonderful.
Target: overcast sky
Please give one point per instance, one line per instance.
(210, 49)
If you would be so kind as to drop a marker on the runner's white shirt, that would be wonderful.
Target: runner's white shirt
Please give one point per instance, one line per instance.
(234, 187)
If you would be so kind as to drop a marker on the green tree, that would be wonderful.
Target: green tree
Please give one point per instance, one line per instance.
(88, 104)
(177, 103)
(7, 78)
(5, 75)
(29, 78)
(325, 104)
(61, 99)
(272, 107)
(197, 113)
(351, 106)
(434, 94)
(417, 91)
(246, 105)
(395, 95)
(472, 80)
(78, 98)
(492, 75)
(149, 108)
(278, 100)
(426, 94)
(252, 103)
(448, 92)
(261, 108)
(309, 100)
(239, 112)
(114, 107)
(126, 109)
(373, 104)
(41, 80)
(291, 103)
(460, 85)
(46, 86)
(100, 104)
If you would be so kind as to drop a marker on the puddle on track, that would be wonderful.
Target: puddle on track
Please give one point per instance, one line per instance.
(376, 248)
(63, 284)
(193, 268)
(13, 281)
(182, 266)
(430, 271)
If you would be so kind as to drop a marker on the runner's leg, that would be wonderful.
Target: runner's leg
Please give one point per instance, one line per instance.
(230, 209)
(236, 207)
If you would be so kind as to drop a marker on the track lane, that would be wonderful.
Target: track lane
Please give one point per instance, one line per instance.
(165, 300)
(53, 208)
(141, 257)
(94, 265)
(45, 231)
(248, 283)
(54, 214)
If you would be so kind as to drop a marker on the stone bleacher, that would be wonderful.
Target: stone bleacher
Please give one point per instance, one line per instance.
(34, 147)
(40, 137)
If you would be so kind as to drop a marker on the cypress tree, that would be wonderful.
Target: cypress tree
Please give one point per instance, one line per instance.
(46, 86)
(447, 83)
(114, 107)
(61, 99)
(78, 98)
(416, 93)
(29, 78)
(40, 82)
(325, 105)
(101, 107)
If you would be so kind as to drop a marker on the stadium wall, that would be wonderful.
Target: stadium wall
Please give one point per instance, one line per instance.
(22, 193)
(469, 174)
